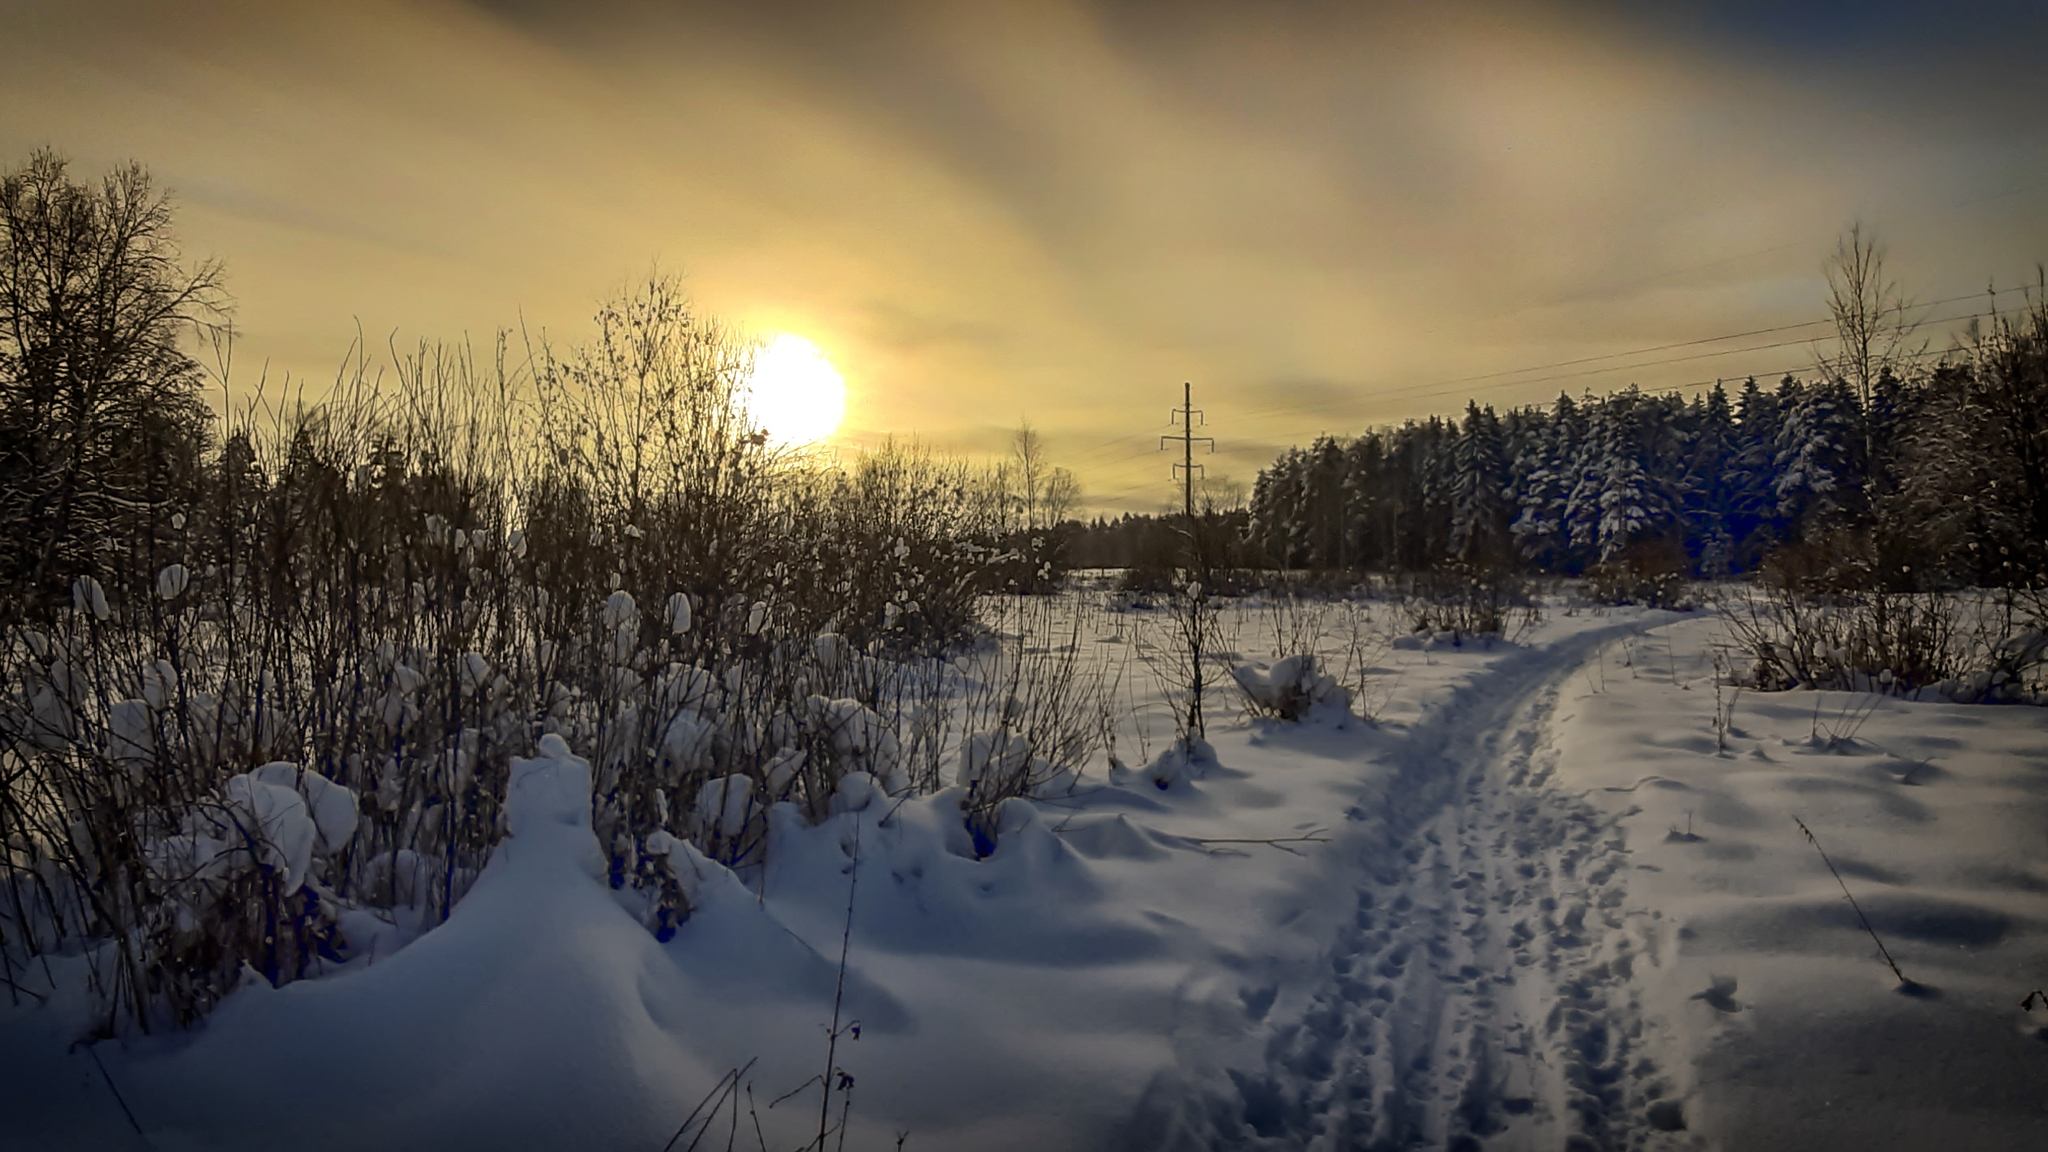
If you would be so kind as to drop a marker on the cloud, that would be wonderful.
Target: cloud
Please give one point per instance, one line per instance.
(1324, 215)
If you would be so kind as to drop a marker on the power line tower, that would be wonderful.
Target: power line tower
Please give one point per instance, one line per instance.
(1194, 617)
(1185, 416)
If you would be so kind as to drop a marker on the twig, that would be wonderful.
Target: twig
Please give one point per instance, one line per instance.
(715, 1099)
(759, 1139)
(839, 998)
(92, 1052)
(793, 1091)
(1319, 836)
(1886, 952)
(1311, 838)
(14, 987)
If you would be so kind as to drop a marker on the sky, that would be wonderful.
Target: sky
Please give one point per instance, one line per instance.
(1324, 216)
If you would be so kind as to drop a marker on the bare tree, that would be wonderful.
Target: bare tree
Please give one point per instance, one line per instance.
(1873, 325)
(97, 398)
(1057, 498)
(1027, 451)
(1045, 493)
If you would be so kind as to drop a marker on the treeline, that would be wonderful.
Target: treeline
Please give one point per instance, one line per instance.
(1140, 541)
(1879, 478)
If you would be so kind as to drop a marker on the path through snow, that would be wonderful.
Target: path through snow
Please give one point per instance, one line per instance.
(1480, 987)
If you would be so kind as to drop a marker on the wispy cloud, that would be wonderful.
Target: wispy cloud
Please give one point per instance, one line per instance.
(1314, 211)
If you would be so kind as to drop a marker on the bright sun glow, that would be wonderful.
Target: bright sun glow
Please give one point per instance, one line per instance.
(795, 394)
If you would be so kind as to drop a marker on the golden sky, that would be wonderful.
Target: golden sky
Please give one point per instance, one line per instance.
(1324, 215)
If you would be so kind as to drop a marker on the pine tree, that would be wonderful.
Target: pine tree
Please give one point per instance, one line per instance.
(1617, 500)
(1710, 485)
(1324, 500)
(1580, 518)
(1752, 484)
(1478, 480)
(1820, 478)
(1369, 503)
(1547, 477)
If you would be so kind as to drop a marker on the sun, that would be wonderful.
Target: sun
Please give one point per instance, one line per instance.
(794, 393)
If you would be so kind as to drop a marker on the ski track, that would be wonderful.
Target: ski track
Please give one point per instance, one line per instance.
(1479, 995)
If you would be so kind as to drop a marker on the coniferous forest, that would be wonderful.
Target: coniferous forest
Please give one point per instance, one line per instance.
(1857, 476)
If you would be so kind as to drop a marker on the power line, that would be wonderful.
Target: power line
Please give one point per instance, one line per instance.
(1762, 374)
(1095, 452)
(1415, 390)
(1411, 393)
(1674, 359)
(1099, 448)
(1987, 293)
(1098, 454)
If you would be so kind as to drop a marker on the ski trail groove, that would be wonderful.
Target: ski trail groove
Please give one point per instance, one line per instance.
(1479, 994)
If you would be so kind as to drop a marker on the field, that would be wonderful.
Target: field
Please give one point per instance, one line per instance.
(1535, 891)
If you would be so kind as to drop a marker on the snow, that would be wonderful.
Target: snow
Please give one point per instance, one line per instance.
(1553, 896)
(1291, 686)
(1797, 1033)
(172, 581)
(268, 823)
(87, 594)
(332, 807)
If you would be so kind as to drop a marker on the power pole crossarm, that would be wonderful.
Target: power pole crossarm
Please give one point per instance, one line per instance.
(1185, 416)
(1194, 621)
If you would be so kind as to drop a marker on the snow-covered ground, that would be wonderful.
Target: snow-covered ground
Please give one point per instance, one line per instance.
(1553, 898)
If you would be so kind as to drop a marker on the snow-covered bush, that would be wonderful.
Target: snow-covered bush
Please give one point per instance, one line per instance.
(1290, 688)
(1466, 601)
(1651, 573)
(1966, 647)
(1028, 718)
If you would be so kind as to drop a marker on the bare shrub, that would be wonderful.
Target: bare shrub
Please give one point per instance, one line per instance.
(1366, 642)
(1650, 573)
(387, 595)
(1293, 623)
(335, 602)
(1463, 600)
(1290, 688)
(1967, 647)
(1031, 717)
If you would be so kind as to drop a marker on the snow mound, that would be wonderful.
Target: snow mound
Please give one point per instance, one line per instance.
(539, 1015)
(922, 892)
(547, 804)
(131, 733)
(1291, 688)
(1007, 759)
(1173, 770)
(685, 745)
(283, 830)
(723, 807)
(1112, 838)
(862, 741)
(333, 808)
(733, 942)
